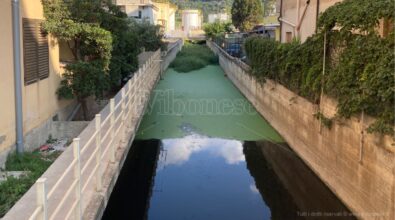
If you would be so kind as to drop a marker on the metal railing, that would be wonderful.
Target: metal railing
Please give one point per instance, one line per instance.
(96, 147)
(214, 46)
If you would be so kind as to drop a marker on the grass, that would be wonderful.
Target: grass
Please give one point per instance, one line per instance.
(193, 56)
(13, 189)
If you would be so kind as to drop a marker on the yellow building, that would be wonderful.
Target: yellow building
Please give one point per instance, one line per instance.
(166, 15)
(299, 17)
(40, 70)
(272, 24)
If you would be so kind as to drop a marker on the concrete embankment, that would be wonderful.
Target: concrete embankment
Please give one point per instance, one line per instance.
(79, 183)
(358, 167)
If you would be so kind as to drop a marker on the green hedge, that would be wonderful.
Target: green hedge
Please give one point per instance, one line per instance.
(359, 67)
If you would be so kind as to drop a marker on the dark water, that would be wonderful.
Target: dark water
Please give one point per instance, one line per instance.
(210, 178)
(172, 173)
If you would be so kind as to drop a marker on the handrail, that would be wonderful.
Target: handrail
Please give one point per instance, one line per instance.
(143, 79)
(61, 178)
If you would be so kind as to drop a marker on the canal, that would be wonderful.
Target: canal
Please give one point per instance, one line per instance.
(203, 152)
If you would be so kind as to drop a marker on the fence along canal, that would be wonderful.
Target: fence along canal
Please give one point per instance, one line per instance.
(80, 181)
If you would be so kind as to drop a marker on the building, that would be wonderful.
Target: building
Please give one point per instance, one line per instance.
(141, 10)
(271, 31)
(166, 16)
(271, 25)
(191, 20)
(222, 17)
(41, 74)
(298, 18)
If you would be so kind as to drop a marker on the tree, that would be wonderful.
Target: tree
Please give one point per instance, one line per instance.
(268, 6)
(217, 28)
(246, 14)
(104, 41)
(90, 44)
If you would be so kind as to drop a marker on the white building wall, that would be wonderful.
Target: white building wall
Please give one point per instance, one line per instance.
(191, 20)
(147, 12)
(217, 17)
(172, 22)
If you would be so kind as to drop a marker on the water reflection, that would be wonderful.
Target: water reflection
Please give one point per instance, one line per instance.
(289, 187)
(179, 150)
(205, 178)
(212, 179)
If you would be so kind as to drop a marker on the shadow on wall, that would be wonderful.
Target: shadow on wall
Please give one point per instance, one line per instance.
(280, 173)
(131, 195)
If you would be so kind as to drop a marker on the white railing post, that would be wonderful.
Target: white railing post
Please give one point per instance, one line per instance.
(98, 154)
(130, 104)
(132, 98)
(42, 198)
(140, 88)
(112, 125)
(123, 105)
(123, 113)
(77, 175)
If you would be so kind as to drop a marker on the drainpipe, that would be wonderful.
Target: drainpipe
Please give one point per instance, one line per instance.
(298, 10)
(288, 22)
(301, 19)
(317, 15)
(17, 75)
(281, 23)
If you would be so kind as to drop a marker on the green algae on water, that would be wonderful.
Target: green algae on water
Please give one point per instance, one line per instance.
(203, 102)
(193, 57)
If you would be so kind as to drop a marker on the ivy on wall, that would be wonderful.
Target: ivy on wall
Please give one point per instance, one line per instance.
(360, 64)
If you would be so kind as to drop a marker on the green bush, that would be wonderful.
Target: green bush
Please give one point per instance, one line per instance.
(359, 67)
(214, 29)
(297, 66)
(193, 57)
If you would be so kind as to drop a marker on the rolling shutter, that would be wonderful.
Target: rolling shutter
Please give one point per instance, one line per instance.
(35, 51)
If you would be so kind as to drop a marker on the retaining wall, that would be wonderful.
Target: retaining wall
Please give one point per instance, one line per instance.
(92, 198)
(358, 167)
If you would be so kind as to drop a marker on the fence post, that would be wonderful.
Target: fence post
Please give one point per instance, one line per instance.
(130, 104)
(133, 98)
(42, 197)
(123, 106)
(112, 125)
(77, 175)
(98, 154)
(123, 113)
(138, 89)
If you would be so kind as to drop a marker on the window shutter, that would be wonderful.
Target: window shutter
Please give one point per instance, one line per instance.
(35, 51)
(43, 54)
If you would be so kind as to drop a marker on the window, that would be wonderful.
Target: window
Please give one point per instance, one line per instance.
(35, 51)
(288, 37)
(139, 14)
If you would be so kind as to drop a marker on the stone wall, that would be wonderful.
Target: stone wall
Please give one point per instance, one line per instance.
(358, 167)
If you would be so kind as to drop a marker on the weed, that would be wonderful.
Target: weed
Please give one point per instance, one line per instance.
(193, 57)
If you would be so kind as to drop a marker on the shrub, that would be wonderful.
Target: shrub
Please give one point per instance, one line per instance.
(214, 29)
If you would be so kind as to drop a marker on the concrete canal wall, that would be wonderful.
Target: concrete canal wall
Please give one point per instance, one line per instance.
(79, 183)
(358, 167)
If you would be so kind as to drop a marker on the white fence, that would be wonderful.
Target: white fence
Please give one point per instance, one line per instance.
(66, 188)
